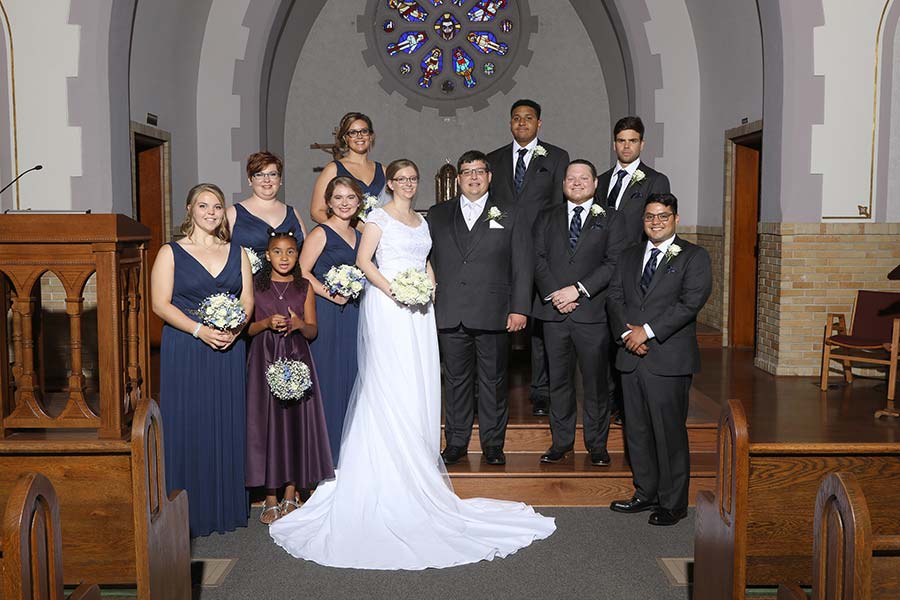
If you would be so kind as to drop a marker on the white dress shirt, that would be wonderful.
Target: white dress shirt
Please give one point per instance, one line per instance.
(630, 169)
(663, 248)
(472, 210)
(515, 154)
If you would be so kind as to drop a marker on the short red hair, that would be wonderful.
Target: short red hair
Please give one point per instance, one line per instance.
(258, 161)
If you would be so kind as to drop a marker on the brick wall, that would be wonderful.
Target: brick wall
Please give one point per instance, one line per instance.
(807, 270)
(56, 357)
(712, 239)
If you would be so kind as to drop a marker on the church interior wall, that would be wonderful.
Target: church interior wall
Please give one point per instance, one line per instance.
(887, 206)
(7, 154)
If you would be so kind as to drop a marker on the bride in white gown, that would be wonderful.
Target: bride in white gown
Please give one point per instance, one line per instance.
(391, 504)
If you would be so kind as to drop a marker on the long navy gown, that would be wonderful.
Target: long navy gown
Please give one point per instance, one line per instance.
(334, 349)
(252, 232)
(371, 189)
(202, 401)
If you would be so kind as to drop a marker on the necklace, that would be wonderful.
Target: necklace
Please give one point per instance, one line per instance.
(282, 292)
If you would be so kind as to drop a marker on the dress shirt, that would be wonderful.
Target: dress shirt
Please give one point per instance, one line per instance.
(663, 248)
(570, 206)
(630, 169)
(515, 154)
(472, 210)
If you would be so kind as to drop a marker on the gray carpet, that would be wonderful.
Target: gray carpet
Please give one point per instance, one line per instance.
(594, 554)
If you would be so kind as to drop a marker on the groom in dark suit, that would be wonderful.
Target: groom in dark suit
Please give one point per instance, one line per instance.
(576, 248)
(528, 172)
(483, 264)
(654, 299)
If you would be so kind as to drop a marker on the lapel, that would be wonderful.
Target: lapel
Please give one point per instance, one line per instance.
(481, 225)
(603, 187)
(662, 267)
(637, 268)
(634, 187)
(586, 225)
(456, 220)
(506, 168)
(533, 166)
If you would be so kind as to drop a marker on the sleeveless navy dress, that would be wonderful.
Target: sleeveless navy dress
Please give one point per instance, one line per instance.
(202, 401)
(374, 188)
(252, 232)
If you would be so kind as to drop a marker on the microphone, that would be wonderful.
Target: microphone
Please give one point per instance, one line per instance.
(22, 174)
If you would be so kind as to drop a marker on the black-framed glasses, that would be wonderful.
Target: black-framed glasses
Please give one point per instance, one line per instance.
(405, 180)
(469, 172)
(266, 175)
(354, 133)
(662, 217)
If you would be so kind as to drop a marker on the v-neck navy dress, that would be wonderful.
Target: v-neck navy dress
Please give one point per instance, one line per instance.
(252, 232)
(202, 401)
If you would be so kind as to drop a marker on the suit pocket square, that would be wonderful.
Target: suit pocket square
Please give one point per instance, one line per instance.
(494, 225)
(671, 270)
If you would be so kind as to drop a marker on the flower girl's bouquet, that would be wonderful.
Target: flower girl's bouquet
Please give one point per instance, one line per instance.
(288, 379)
(344, 280)
(369, 202)
(222, 311)
(412, 287)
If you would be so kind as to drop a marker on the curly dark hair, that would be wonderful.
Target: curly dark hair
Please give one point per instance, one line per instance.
(262, 281)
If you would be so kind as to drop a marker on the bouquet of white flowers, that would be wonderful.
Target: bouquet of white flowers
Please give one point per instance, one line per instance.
(345, 280)
(369, 202)
(256, 262)
(222, 311)
(288, 380)
(412, 287)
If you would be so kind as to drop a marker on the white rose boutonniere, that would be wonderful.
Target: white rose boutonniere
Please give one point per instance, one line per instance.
(597, 211)
(494, 214)
(673, 251)
(539, 151)
(637, 177)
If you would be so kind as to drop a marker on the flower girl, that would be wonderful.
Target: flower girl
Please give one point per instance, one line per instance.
(287, 442)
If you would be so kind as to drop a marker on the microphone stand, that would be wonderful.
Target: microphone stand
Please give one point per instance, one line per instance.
(34, 168)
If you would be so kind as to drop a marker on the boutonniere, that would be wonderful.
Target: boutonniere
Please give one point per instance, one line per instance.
(637, 177)
(494, 214)
(539, 151)
(673, 251)
(597, 211)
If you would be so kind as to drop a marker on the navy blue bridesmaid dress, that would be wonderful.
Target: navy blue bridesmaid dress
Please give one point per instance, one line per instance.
(372, 189)
(202, 401)
(334, 349)
(252, 232)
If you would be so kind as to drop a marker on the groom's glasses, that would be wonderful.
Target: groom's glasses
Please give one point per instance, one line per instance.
(663, 217)
(469, 172)
(405, 180)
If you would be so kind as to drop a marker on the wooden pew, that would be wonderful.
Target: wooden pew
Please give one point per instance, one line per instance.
(754, 529)
(849, 561)
(32, 544)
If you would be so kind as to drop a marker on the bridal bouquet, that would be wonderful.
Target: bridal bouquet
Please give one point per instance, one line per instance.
(256, 262)
(222, 311)
(412, 287)
(345, 280)
(288, 380)
(369, 202)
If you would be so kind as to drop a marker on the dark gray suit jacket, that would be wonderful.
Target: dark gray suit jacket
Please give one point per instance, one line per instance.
(677, 292)
(542, 187)
(593, 261)
(632, 204)
(480, 284)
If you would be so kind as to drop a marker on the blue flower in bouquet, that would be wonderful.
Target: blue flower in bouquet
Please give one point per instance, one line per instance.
(368, 204)
(288, 380)
(412, 287)
(222, 311)
(345, 280)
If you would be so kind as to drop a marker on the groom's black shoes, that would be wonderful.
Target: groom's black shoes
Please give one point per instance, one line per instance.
(453, 454)
(494, 456)
(600, 457)
(635, 505)
(666, 517)
(554, 455)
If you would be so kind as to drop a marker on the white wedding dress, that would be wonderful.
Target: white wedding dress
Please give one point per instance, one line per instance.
(391, 505)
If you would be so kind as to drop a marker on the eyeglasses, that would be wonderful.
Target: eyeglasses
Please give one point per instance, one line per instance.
(268, 175)
(480, 172)
(663, 217)
(354, 133)
(405, 180)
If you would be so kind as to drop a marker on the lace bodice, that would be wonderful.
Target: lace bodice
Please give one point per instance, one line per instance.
(401, 247)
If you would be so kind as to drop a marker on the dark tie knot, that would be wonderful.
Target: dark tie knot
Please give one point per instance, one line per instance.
(654, 252)
(577, 210)
(621, 174)
(522, 152)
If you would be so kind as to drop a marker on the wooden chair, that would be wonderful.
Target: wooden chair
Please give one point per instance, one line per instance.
(32, 544)
(874, 327)
(163, 563)
(850, 562)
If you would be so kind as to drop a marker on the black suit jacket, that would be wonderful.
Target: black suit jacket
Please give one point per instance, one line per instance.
(632, 204)
(479, 285)
(593, 261)
(542, 187)
(677, 292)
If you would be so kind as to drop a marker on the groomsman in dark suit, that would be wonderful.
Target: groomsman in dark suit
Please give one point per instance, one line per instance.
(625, 187)
(529, 173)
(576, 248)
(483, 264)
(655, 296)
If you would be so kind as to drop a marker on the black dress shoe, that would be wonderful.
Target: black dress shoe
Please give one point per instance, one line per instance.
(540, 410)
(494, 456)
(635, 505)
(666, 517)
(600, 458)
(453, 454)
(618, 418)
(554, 455)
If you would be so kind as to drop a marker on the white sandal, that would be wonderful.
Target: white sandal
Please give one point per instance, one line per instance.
(292, 504)
(278, 514)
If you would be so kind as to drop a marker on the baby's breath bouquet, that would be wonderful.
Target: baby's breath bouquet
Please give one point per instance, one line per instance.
(288, 379)
(345, 280)
(222, 311)
(412, 287)
(369, 202)
(256, 262)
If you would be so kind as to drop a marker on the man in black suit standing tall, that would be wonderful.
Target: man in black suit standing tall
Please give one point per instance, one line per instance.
(654, 299)
(576, 248)
(529, 173)
(625, 187)
(483, 265)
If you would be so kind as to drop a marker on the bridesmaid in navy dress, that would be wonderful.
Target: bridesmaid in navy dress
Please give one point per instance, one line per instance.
(334, 242)
(202, 370)
(353, 142)
(251, 219)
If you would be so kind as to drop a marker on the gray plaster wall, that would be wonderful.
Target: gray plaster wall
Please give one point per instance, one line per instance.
(7, 166)
(729, 49)
(564, 75)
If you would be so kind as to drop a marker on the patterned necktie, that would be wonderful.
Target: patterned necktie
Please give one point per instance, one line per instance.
(575, 227)
(649, 270)
(614, 193)
(519, 177)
